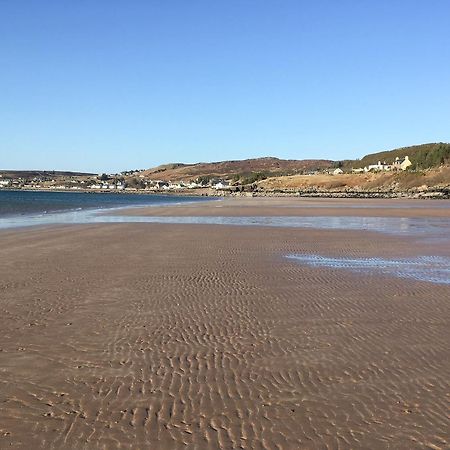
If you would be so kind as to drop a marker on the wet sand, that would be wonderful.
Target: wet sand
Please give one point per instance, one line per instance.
(206, 336)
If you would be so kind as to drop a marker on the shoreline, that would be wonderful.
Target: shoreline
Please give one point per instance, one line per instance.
(427, 219)
(432, 193)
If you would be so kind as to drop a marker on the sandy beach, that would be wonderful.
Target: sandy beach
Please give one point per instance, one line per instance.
(291, 206)
(170, 336)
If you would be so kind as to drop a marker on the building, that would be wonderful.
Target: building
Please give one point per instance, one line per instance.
(377, 167)
(398, 164)
(401, 164)
(221, 185)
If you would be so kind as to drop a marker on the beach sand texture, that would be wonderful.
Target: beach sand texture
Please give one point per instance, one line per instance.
(150, 336)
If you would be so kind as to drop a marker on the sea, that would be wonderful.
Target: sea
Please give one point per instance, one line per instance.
(27, 208)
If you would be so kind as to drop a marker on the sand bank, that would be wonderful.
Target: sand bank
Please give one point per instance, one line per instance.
(303, 207)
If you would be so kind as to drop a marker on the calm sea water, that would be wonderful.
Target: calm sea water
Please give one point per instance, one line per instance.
(14, 204)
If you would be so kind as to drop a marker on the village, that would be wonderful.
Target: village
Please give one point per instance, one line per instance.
(107, 183)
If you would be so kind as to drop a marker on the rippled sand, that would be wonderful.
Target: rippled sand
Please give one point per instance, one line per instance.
(206, 336)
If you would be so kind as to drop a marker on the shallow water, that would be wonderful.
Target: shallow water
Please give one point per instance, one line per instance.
(423, 268)
(437, 228)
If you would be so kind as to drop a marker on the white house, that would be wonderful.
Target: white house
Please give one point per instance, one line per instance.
(338, 171)
(221, 185)
(377, 167)
(401, 164)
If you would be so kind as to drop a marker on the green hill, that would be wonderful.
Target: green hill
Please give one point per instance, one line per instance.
(422, 156)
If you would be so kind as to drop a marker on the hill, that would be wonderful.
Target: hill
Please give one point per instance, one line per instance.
(41, 174)
(248, 168)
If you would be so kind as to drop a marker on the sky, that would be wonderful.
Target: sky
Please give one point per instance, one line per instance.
(109, 85)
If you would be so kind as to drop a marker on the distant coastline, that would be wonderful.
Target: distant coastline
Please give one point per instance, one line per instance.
(421, 171)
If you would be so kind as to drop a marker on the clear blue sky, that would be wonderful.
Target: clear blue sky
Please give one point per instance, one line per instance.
(109, 85)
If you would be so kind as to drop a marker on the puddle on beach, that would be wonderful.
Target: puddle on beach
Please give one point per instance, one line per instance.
(435, 269)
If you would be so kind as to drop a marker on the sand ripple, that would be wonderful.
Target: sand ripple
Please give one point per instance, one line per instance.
(152, 336)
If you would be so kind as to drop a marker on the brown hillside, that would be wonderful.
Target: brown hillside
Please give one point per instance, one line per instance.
(41, 173)
(227, 169)
(366, 182)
